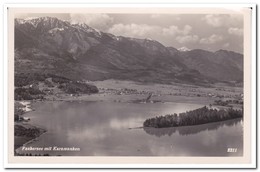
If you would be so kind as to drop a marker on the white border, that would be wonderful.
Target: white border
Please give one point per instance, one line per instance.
(131, 5)
(5, 85)
(253, 90)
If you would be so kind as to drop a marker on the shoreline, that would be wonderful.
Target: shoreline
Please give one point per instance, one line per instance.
(204, 115)
(84, 97)
(120, 92)
(26, 133)
(190, 125)
(131, 98)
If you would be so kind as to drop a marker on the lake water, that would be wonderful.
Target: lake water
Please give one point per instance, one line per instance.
(102, 129)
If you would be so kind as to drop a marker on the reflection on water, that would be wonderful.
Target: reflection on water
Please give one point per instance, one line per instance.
(189, 130)
(102, 129)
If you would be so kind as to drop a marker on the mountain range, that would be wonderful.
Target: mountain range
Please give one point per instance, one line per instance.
(48, 45)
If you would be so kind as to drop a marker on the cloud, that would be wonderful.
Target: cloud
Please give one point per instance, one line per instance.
(187, 39)
(226, 45)
(134, 30)
(235, 31)
(235, 20)
(174, 30)
(97, 21)
(220, 20)
(213, 20)
(148, 31)
(212, 39)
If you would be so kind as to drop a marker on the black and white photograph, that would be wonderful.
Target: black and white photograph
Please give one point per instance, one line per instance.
(124, 84)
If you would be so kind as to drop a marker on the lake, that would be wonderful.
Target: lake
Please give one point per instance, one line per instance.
(102, 129)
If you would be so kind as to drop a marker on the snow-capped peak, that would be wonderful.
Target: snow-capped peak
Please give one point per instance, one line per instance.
(31, 18)
(149, 39)
(184, 49)
(50, 21)
(87, 28)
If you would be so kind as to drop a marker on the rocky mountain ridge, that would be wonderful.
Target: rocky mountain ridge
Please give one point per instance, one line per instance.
(77, 51)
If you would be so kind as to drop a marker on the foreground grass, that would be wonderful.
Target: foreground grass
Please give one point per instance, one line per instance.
(195, 117)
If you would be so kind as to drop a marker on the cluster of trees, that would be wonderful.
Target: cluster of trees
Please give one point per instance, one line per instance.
(235, 101)
(195, 117)
(77, 88)
(60, 79)
(28, 132)
(221, 103)
(24, 79)
(227, 102)
(22, 93)
(73, 87)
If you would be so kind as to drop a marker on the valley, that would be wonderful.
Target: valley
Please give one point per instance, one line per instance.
(89, 89)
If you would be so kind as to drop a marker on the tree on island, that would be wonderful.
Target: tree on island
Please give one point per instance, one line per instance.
(195, 117)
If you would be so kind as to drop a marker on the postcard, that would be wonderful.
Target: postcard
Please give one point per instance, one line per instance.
(154, 85)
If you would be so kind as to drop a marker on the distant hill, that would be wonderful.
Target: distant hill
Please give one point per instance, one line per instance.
(51, 46)
(221, 65)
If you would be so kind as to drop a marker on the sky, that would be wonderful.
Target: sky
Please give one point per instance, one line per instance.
(210, 32)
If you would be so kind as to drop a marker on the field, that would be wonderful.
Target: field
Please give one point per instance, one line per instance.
(129, 91)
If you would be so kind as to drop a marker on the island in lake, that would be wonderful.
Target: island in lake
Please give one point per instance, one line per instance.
(100, 91)
(199, 116)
